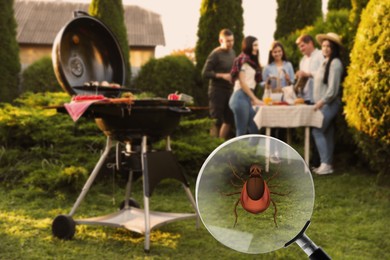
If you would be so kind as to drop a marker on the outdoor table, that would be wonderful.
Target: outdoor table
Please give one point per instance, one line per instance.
(285, 116)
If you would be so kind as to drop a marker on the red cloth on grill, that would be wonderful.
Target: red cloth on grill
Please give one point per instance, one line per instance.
(77, 108)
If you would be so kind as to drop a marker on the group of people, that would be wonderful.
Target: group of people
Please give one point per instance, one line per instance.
(233, 79)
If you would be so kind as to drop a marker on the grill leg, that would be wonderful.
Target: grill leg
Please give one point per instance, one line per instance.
(193, 203)
(128, 190)
(92, 177)
(146, 198)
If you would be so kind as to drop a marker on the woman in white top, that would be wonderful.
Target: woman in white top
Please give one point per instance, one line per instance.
(326, 97)
(246, 74)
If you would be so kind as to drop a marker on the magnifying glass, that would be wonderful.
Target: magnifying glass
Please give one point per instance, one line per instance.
(255, 194)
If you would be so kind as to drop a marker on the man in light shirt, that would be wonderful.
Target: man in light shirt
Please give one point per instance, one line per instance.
(308, 65)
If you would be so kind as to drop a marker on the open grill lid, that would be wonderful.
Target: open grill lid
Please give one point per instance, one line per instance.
(85, 51)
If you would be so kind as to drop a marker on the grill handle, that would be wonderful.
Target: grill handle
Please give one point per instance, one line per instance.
(182, 110)
(79, 13)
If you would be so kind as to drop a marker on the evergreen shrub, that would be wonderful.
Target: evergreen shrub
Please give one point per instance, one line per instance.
(366, 89)
(9, 53)
(40, 77)
(167, 75)
(39, 145)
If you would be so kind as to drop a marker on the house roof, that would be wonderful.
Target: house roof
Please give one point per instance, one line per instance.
(39, 22)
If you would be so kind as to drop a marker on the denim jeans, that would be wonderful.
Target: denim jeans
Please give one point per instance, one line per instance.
(243, 112)
(324, 136)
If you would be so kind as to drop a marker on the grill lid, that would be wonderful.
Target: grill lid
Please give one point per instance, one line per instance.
(85, 50)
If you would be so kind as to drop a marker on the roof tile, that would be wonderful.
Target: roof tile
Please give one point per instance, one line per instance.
(39, 22)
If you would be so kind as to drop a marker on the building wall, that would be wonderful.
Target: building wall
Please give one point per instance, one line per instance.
(28, 53)
(139, 56)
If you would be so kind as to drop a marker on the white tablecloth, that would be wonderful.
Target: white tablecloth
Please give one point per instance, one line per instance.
(288, 116)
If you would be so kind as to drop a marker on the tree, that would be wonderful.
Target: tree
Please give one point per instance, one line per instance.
(292, 15)
(366, 88)
(9, 53)
(111, 13)
(339, 4)
(354, 17)
(214, 16)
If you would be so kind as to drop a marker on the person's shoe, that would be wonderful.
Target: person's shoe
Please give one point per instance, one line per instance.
(324, 169)
(275, 159)
(314, 169)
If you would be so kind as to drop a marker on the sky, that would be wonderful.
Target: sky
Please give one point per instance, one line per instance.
(180, 22)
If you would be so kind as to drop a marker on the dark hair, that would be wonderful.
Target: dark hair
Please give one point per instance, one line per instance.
(306, 38)
(335, 53)
(247, 48)
(225, 32)
(273, 46)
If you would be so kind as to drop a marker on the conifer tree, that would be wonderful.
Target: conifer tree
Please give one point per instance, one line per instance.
(9, 53)
(296, 14)
(354, 17)
(339, 4)
(111, 13)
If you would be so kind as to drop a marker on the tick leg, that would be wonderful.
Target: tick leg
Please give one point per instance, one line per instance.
(280, 194)
(231, 193)
(234, 184)
(235, 174)
(235, 212)
(276, 211)
(273, 176)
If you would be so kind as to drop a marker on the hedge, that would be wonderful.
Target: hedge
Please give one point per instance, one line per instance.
(167, 75)
(40, 77)
(366, 89)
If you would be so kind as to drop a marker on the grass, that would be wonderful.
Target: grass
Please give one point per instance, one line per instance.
(350, 221)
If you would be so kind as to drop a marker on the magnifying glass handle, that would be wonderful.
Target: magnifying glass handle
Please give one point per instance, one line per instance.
(312, 250)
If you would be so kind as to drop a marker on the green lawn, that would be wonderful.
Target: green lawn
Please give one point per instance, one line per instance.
(350, 221)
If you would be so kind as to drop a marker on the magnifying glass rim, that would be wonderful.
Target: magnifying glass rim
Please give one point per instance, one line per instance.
(235, 139)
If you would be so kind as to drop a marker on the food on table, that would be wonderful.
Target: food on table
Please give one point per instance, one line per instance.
(102, 84)
(267, 100)
(299, 101)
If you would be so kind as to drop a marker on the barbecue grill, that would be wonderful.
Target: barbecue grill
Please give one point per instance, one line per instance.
(86, 51)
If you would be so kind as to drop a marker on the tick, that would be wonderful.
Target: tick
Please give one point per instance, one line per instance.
(255, 193)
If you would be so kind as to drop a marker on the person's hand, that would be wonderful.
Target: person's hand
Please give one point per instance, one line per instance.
(257, 102)
(225, 76)
(287, 77)
(228, 77)
(301, 74)
(319, 104)
(277, 90)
